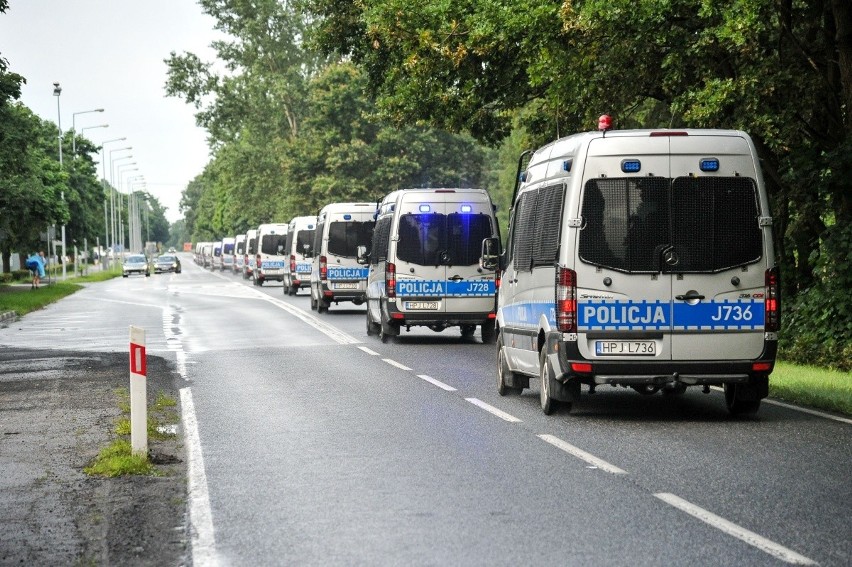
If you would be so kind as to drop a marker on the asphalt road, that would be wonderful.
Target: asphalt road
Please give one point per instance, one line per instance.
(311, 443)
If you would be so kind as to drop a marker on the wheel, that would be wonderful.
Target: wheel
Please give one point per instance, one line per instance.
(503, 372)
(387, 330)
(467, 331)
(147, 274)
(736, 405)
(548, 404)
(124, 275)
(488, 332)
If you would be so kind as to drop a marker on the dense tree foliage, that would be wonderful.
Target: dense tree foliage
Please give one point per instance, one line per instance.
(781, 71)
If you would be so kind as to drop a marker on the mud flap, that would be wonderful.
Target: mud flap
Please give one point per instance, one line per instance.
(563, 390)
(755, 389)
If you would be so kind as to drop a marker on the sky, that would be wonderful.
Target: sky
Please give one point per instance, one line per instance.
(109, 54)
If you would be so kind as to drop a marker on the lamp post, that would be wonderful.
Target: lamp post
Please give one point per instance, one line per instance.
(74, 129)
(103, 184)
(133, 212)
(120, 220)
(114, 192)
(57, 90)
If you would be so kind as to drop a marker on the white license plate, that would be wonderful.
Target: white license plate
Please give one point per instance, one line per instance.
(625, 348)
(351, 285)
(421, 305)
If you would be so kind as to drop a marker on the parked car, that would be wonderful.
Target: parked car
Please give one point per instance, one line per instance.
(136, 264)
(167, 263)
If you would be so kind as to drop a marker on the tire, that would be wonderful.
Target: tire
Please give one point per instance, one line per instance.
(313, 303)
(488, 332)
(503, 372)
(548, 404)
(737, 406)
(387, 330)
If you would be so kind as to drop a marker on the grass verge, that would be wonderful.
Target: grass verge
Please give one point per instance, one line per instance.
(117, 459)
(812, 386)
(22, 300)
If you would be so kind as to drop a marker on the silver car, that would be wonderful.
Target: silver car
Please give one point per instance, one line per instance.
(136, 264)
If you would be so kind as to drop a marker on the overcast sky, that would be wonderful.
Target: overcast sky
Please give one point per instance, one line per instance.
(109, 54)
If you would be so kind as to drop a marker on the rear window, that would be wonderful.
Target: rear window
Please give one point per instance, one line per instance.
(305, 238)
(433, 239)
(710, 223)
(229, 249)
(166, 258)
(344, 237)
(272, 243)
(136, 259)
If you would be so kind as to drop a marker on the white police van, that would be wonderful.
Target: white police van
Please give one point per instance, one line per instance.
(239, 263)
(336, 275)
(270, 258)
(250, 263)
(641, 259)
(228, 253)
(298, 247)
(216, 258)
(424, 263)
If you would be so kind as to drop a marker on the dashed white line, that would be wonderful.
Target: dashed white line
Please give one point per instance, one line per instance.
(494, 411)
(200, 515)
(368, 351)
(582, 455)
(436, 383)
(751, 538)
(395, 363)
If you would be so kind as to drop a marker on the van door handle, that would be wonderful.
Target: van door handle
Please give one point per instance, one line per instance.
(689, 296)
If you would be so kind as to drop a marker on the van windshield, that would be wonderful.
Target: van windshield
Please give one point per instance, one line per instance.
(272, 243)
(709, 223)
(344, 237)
(433, 239)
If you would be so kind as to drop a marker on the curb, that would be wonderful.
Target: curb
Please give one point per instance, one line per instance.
(8, 316)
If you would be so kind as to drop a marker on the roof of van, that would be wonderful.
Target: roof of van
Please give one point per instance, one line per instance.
(394, 195)
(341, 207)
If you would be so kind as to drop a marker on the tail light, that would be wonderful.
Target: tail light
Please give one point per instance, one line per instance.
(323, 268)
(497, 280)
(258, 263)
(390, 279)
(772, 300)
(292, 263)
(566, 300)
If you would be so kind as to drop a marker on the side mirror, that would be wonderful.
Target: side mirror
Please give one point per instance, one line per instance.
(490, 258)
(361, 255)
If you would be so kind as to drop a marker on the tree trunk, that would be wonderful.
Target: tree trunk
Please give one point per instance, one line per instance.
(842, 10)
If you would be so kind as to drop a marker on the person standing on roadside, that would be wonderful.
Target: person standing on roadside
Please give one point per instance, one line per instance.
(35, 263)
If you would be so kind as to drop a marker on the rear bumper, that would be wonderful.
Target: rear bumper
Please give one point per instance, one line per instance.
(356, 295)
(430, 318)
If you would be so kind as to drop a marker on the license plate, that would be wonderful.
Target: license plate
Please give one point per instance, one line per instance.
(351, 285)
(625, 348)
(421, 305)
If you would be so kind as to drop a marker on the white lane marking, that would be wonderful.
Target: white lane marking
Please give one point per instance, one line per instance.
(797, 408)
(751, 538)
(330, 331)
(397, 364)
(131, 303)
(368, 351)
(200, 514)
(436, 383)
(494, 411)
(580, 454)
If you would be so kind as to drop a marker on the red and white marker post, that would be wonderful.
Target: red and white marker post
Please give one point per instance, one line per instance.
(138, 392)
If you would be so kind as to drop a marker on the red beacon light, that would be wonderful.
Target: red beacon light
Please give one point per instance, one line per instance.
(605, 122)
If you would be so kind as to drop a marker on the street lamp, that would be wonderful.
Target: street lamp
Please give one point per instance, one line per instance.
(57, 90)
(120, 220)
(103, 184)
(113, 196)
(74, 129)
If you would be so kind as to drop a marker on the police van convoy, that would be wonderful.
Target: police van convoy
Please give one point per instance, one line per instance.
(297, 249)
(239, 261)
(336, 275)
(643, 259)
(270, 257)
(424, 263)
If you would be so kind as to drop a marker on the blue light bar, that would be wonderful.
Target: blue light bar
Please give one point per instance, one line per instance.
(709, 164)
(466, 208)
(347, 217)
(425, 208)
(566, 165)
(631, 165)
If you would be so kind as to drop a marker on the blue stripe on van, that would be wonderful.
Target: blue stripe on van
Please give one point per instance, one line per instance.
(718, 315)
(341, 273)
(440, 288)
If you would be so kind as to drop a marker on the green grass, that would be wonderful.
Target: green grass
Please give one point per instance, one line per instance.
(812, 386)
(22, 300)
(117, 459)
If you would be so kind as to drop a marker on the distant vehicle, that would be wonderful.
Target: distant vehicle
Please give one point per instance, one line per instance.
(239, 254)
(167, 263)
(227, 253)
(135, 264)
(172, 250)
(250, 263)
(298, 250)
(216, 258)
(270, 257)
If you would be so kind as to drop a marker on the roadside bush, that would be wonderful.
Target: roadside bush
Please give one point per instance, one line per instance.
(817, 323)
(6, 278)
